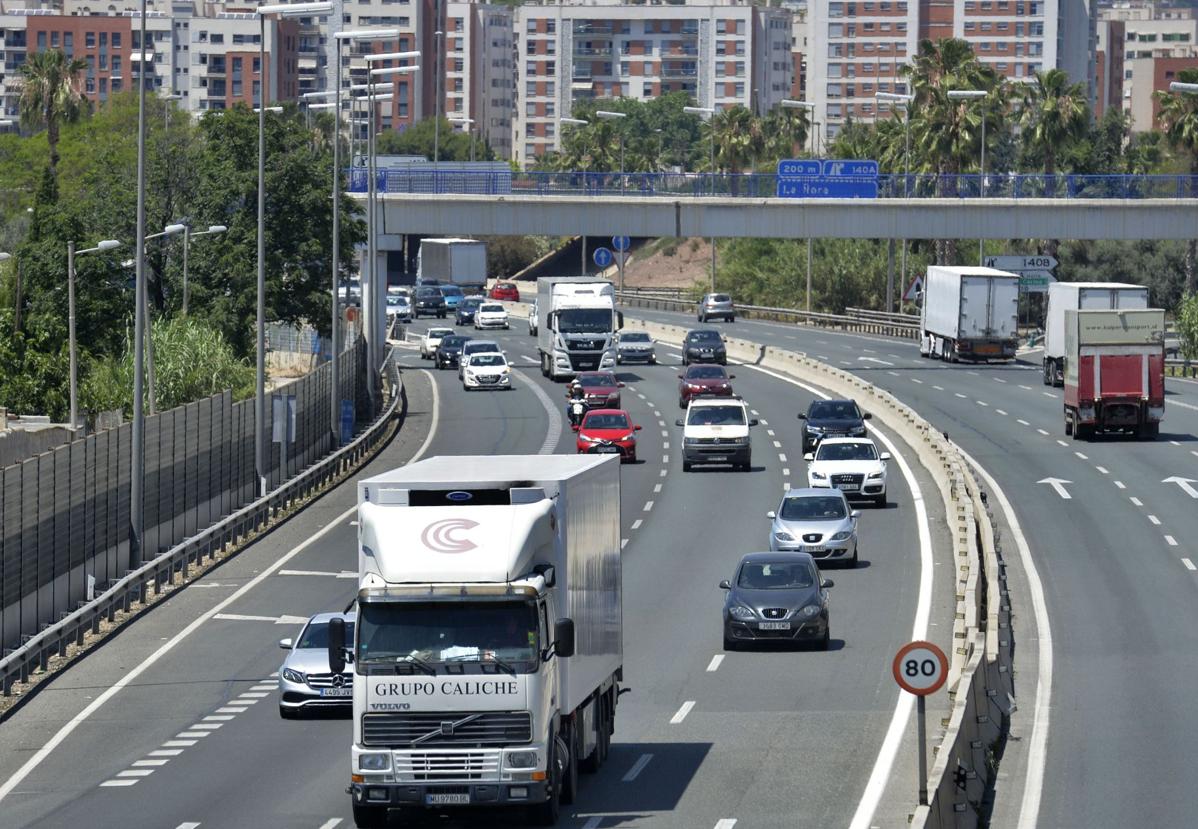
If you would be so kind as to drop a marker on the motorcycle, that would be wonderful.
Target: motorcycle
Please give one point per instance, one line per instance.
(576, 409)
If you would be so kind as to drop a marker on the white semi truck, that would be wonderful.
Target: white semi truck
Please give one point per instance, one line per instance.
(968, 313)
(1081, 296)
(487, 654)
(461, 262)
(577, 325)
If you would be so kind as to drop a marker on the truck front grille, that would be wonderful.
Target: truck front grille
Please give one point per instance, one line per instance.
(447, 765)
(464, 728)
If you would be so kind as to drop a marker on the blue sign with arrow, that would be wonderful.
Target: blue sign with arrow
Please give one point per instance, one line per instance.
(620, 243)
(826, 178)
(603, 257)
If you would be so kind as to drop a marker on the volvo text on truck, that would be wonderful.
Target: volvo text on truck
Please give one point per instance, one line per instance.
(1114, 372)
(461, 262)
(487, 654)
(1085, 296)
(968, 313)
(578, 323)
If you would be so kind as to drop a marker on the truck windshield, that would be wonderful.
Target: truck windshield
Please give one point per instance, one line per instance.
(584, 321)
(484, 634)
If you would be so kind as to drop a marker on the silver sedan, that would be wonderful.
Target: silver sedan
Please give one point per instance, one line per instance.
(818, 522)
(305, 681)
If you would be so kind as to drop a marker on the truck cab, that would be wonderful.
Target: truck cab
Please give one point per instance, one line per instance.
(577, 323)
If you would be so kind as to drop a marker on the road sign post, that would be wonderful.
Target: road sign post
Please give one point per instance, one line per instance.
(921, 668)
(621, 243)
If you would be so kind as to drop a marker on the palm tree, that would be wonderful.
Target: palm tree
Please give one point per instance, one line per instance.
(1178, 116)
(1055, 114)
(50, 95)
(785, 132)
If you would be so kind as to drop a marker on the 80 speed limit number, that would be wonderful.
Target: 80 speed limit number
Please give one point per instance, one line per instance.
(920, 668)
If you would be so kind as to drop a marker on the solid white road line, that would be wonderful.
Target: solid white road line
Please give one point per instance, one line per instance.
(714, 665)
(682, 712)
(555, 417)
(637, 768)
(1189, 564)
(65, 731)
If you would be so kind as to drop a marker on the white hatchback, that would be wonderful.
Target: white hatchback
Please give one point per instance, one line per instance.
(852, 465)
(491, 315)
(430, 341)
(486, 371)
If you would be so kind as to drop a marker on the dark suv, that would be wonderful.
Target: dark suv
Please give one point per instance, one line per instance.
(428, 302)
(704, 345)
(831, 419)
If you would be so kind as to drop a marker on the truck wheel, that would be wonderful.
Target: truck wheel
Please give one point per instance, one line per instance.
(370, 817)
(547, 813)
(1068, 424)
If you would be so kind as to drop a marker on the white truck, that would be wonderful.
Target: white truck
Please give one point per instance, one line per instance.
(461, 262)
(968, 313)
(577, 324)
(488, 650)
(1081, 296)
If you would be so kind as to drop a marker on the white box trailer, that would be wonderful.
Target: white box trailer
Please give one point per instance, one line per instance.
(969, 313)
(489, 642)
(460, 262)
(1081, 296)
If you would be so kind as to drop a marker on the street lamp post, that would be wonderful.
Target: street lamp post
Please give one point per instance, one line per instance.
(898, 99)
(137, 456)
(107, 244)
(187, 237)
(1174, 86)
(973, 95)
(151, 381)
(707, 113)
(578, 122)
(437, 44)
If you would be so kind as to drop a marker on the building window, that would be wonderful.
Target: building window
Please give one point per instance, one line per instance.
(549, 87)
(550, 26)
(89, 40)
(550, 108)
(116, 66)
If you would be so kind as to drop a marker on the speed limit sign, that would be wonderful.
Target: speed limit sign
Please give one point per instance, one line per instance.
(920, 668)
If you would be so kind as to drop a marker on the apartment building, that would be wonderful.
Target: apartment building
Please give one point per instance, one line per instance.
(480, 80)
(721, 54)
(1141, 49)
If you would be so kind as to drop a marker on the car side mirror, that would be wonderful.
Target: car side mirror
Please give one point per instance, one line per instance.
(753, 421)
(563, 638)
(678, 422)
(637, 428)
(826, 583)
(855, 514)
(336, 645)
(731, 376)
(885, 456)
(573, 427)
(802, 416)
(621, 385)
(680, 377)
(725, 585)
(867, 416)
(809, 457)
(285, 644)
(771, 515)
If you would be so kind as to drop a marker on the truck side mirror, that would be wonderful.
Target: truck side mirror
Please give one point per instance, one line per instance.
(336, 645)
(563, 638)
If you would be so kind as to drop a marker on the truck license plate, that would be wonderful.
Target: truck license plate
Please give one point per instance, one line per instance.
(774, 625)
(336, 692)
(447, 799)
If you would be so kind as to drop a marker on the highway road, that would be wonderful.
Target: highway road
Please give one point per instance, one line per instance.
(704, 739)
(1117, 558)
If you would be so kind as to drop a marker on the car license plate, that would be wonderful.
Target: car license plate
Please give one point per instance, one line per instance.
(447, 799)
(809, 548)
(609, 450)
(848, 487)
(774, 625)
(717, 458)
(336, 692)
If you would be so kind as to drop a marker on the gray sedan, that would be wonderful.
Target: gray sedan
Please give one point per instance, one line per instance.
(305, 681)
(776, 597)
(818, 522)
(635, 346)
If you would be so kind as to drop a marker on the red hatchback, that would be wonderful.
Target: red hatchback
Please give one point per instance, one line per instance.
(703, 380)
(505, 291)
(608, 431)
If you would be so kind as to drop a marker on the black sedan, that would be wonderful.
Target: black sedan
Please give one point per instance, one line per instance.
(429, 302)
(449, 352)
(776, 597)
(831, 419)
(466, 310)
(704, 345)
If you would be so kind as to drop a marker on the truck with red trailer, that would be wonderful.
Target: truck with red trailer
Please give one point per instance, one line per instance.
(1114, 372)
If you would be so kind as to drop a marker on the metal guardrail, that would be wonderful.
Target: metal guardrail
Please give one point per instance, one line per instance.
(1181, 368)
(838, 322)
(135, 586)
(765, 185)
(882, 316)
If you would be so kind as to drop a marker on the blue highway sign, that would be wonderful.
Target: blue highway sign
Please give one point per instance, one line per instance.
(620, 243)
(603, 257)
(827, 188)
(800, 167)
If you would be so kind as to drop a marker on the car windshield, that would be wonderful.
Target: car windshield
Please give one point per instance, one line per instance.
(634, 337)
(704, 336)
(605, 380)
(716, 416)
(706, 373)
(487, 360)
(470, 304)
(454, 341)
(492, 308)
(846, 452)
(397, 299)
(428, 293)
(480, 347)
(775, 575)
(584, 321)
(834, 410)
(605, 421)
(458, 632)
(720, 298)
(438, 333)
(813, 508)
(316, 635)
(451, 290)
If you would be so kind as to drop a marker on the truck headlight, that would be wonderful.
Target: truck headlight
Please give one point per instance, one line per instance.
(292, 675)
(521, 760)
(375, 761)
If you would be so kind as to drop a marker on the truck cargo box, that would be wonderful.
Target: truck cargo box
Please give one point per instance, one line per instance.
(969, 312)
(1088, 296)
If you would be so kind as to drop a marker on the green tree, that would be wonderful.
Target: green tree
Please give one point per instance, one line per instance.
(1179, 118)
(1187, 326)
(451, 144)
(1056, 113)
(50, 95)
(739, 139)
(785, 133)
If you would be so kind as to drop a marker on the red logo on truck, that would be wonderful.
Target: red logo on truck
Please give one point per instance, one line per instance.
(441, 536)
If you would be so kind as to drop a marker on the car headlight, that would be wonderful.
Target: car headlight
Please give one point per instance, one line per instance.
(808, 612)
(818, 476)
(814, 430)
(842, 536)
(739, 611)
(857, 430)
(375, 761)
(588, 439)
(876, 475)
(741, 441)
(783, 535)
(521, 760)
(292, 675)
(691, 441)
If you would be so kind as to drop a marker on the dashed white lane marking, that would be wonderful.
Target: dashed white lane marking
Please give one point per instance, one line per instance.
(1048, 394)
(1022, 422)
(958, 394)
(753, 412)
(135, 773)
(665, 444)
(656, 413)
(218, 718)
(648, 506)
(1120, 484)
(714, 665)
(637, 768)
(623, 543)
(999, 380)
(764, 422)
(636, 525)
(1041, 431)
(1194, 452)
(1154, 520)
(893, 373)
(254, 695)
(165, 752)
(1001, 412)
(1171, 540)
(1029, 388)
(593, 822)
(638, 394)
(725, 823)
(108, 783)
(981, 402)
(192, 824)
(1189, 564)
(938, 388)
(656, 488)
(786, 472)
(917, 380)
(682, 712)
(1061, 442)
(331, 823)
(208, 726)
(664, 433)
(974, 373)
(1103, 470)
(894, 356)
(665, 458)
(1080, 455)
(1175, 443)
(782, 457)
(1137, 501)
(663, 472)
(179, 743)
(769, 432)
(866, 350)
(231, 709)
(155, 763)
(191, 735)
(777, 443)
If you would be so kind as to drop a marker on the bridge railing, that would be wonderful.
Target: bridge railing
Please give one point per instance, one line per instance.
(425, 180)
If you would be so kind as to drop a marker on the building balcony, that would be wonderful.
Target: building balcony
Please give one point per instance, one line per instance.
(681, 72)
(602, 51)
(600, 29)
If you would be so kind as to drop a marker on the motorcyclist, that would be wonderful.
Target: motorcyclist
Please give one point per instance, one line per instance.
(576, 402)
